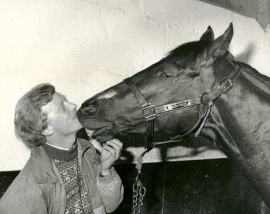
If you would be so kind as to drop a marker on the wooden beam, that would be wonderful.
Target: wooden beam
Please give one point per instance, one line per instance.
(259, 10)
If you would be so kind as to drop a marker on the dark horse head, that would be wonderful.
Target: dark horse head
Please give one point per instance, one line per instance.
(178, 90)
(185, 73)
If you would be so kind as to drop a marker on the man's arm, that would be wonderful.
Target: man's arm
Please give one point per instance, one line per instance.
(111, 190)
(109, 183)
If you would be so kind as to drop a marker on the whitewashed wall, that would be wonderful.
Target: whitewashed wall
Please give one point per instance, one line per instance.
(84, 46)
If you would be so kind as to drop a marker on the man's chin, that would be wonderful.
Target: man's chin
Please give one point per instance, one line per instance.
(76, 123)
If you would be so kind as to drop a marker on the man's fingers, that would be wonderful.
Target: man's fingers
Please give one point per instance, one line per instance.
(89, 132)
(97, 145)
(114, 145)
(118, 142)
(110, 150)
(117, 146)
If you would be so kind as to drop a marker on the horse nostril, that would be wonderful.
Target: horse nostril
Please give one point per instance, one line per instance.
(90, 111)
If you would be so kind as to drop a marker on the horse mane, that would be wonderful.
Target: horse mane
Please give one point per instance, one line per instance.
(195, 48)
(260, 80)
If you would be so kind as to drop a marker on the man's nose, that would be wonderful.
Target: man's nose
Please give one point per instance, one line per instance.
(72, 106)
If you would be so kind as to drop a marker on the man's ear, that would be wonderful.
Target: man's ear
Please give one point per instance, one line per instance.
(48, 131)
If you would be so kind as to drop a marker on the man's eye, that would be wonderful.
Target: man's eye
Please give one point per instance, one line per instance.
(164, 75)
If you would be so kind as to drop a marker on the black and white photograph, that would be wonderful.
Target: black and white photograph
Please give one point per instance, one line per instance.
(135, 107)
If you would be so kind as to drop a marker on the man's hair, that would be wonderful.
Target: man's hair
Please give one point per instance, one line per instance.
(29, 119)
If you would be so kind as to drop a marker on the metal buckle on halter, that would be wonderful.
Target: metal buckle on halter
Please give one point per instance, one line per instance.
(150, 110)
(226, 85)
(202, 98)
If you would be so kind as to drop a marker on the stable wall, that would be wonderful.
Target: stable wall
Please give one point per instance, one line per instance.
(85, 46)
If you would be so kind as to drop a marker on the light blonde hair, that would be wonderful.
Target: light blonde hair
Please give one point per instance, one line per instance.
(29, 119)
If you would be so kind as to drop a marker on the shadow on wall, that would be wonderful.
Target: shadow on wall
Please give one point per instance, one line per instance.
(247, 54)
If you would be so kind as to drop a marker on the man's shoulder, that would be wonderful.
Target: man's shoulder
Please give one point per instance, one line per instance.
(23, 191)
(24, 181)
(37, 169)
(36, 165)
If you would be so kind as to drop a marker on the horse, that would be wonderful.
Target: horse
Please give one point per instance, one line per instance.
(197, 88)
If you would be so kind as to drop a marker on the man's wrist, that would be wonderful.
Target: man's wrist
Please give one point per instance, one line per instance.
(105, 172)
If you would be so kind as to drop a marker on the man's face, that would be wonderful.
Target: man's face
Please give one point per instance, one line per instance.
(61, 115)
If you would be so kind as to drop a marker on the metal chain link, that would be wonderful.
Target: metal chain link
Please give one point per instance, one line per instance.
(139, 190)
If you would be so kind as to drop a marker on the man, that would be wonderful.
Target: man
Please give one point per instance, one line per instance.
(64, 175)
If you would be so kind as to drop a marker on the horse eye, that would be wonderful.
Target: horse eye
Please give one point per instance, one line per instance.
(164, 75)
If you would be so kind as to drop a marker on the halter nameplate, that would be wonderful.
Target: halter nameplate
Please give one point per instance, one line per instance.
(178, 105)
(183, 104)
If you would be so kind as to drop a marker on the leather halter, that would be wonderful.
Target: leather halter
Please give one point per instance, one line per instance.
(150, 111)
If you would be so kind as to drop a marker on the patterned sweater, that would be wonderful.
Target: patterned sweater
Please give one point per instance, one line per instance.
(77, 198)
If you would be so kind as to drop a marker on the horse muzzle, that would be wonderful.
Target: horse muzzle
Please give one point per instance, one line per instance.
(89, 111)
(87, 114)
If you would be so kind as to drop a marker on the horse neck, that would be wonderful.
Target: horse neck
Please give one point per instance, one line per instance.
(240, 126)
(246, 108)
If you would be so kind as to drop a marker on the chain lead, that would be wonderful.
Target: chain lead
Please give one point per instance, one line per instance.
(139, 190)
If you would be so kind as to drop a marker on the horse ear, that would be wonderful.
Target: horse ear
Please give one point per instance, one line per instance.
(219, 46)
(208, 35)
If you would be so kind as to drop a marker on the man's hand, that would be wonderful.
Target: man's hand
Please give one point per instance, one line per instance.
(110, 153)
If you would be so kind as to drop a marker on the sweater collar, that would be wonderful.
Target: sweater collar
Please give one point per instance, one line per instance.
(61, 154)
(43, 167)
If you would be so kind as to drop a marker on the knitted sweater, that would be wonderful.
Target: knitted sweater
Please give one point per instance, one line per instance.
(77, 198)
